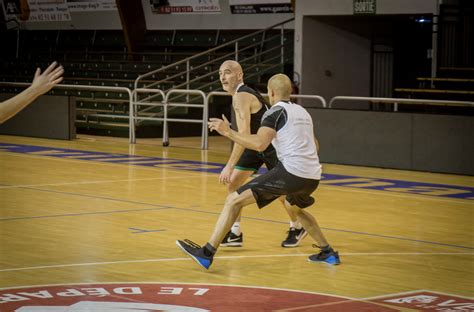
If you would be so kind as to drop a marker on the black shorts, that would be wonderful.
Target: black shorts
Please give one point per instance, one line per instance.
(278, 182)
(251, 160)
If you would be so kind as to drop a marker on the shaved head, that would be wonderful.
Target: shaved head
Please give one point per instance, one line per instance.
(232, 65)
(279, 87)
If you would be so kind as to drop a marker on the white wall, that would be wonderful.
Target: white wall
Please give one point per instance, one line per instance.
(313, 45)
(334, 61)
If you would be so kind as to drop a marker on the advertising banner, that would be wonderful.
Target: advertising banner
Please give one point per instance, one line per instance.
(260, 6)
(185, 6)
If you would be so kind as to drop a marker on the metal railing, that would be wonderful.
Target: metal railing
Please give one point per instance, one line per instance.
(133, 108)
(184, 77)
(86, 88)
(166, 104)
(396, 101)
(204, 106)
(318, 98)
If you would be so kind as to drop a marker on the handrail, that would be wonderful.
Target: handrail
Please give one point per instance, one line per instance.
(444, 79)
(222, 57)
(133, 115)
(396, 101)
(433, 91)
(210, 50)
(84, 87)
(205, 114)
(314, 97)
(295, 96)
(192, 73)
(134, 103)
(457, 68)
(165, 104)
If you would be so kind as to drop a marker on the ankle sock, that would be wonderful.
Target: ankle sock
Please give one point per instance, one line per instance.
(236, 228)
(297, 225)
(209, 251)
(326, 249)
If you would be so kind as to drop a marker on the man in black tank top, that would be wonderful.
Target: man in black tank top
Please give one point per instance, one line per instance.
(249, 107)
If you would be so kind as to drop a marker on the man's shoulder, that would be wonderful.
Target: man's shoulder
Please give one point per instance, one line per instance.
(245, 89)
(246, 99)
(275, 109)
(242, 99)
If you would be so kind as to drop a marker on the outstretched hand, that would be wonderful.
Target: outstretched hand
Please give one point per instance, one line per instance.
(220, 125)
(43, 82)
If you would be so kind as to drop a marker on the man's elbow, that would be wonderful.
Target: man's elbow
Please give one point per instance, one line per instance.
(261, 146)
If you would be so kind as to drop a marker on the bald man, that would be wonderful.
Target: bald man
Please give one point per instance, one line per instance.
(289, 128)
(249, 107)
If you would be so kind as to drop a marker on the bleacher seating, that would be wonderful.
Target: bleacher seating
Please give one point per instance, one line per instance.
(100, 58)
(452, 84)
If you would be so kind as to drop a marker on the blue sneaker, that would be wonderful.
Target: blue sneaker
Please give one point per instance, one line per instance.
(331, 257)
(196, 252)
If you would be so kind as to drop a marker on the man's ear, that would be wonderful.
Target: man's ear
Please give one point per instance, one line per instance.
(271, 92)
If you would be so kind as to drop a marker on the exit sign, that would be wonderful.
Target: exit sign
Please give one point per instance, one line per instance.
(365, 6)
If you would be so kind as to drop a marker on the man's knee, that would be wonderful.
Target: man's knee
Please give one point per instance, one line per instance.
(237, 179)
(232, 200)
(293, 208)
(232, 186)
(237, 201)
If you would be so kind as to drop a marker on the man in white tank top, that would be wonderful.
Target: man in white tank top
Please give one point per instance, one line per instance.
(289, 128)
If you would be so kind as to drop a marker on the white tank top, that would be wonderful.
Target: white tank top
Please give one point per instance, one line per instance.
(294, 141)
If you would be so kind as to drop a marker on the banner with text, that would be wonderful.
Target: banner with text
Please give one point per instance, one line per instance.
(260, 6)
(37, 10)
(88, 5)
(185, 6)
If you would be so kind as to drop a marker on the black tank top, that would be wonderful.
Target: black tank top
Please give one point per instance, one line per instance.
(255, 118)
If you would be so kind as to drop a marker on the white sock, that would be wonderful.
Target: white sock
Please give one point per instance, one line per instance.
(297, 225)
(236, 228)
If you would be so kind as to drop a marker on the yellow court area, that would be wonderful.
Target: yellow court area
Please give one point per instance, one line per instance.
(100, 211)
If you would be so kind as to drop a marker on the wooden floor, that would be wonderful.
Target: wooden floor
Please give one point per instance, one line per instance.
(70, 220)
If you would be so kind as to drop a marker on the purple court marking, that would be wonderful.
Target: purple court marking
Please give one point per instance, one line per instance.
(398, 186)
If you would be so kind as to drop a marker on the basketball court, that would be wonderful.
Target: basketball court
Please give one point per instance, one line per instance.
(91, 225)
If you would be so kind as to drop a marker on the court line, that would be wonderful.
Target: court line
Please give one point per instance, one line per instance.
(369, 300)
(340, 302)
(106, 163)
(4, 186)
(404, 293)
(330, 187)
(348, 188)
(394, 194)
(83, 214)
(399, 238)
(175, 282)
(207, 212)
(363, 254)
(338, 188)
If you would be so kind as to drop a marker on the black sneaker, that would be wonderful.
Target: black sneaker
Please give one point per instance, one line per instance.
(294, 237)
(232, 240)
(196, 252)
(331, 257)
